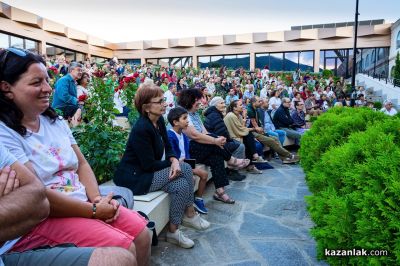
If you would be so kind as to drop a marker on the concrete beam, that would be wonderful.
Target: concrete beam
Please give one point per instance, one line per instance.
(54, 27)
(182, 42)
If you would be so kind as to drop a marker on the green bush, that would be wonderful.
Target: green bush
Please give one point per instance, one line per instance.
(356, 203)
(326, 73)
(128, 96)
(332, 129)
(102, 144)
(378, 105)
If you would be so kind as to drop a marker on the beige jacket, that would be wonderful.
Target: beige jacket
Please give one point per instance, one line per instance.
(235, 126)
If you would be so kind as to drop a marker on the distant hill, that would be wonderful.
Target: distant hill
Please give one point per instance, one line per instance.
(275, 63)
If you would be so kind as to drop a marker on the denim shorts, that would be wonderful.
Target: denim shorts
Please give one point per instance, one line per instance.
(65, 256)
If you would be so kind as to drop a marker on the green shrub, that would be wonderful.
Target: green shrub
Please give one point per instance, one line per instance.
(356, 200)
(378, 105)
(101, 143)
(326, 73)
(332, 129)
(128, 96)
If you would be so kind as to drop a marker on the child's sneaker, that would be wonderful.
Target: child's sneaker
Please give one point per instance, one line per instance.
(199, 206)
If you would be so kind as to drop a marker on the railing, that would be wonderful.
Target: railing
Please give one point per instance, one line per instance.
(393, 81)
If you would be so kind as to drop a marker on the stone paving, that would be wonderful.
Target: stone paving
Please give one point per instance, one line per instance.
(268, 225)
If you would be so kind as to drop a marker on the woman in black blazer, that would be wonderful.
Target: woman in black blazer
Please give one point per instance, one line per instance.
(149, 164)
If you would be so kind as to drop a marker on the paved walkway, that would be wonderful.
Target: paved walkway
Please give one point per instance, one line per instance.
(268, 225)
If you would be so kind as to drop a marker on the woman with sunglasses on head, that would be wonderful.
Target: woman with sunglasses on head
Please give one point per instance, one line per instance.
(149, 164)
(39, 139)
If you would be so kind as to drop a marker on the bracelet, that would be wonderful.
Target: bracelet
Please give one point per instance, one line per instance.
(94, 208)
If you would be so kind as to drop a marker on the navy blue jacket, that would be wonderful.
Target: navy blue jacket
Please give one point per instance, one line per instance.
(282, 118)
(214, 122)
(142, 156)
(173, 139)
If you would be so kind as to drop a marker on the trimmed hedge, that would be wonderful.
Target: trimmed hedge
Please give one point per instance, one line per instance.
(332, 129)
(356, 186)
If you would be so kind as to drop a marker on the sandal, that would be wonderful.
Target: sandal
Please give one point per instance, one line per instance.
(239, 163)
(220, 197)
(259, 160)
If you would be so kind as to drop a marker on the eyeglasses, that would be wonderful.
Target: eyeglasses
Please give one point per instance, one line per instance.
(160, 101)
(19, 52)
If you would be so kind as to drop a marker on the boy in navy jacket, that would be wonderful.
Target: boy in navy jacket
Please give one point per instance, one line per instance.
(178, 118)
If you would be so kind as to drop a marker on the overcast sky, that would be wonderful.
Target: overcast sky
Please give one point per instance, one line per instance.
(130, 20)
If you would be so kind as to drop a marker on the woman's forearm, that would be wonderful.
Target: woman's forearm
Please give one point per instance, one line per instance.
(193, 134)
(64, 206)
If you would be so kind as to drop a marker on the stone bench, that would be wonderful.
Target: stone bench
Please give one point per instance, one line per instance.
(156, 204)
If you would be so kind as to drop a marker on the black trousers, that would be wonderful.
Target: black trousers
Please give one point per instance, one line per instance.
(213, 156)
(250, 144)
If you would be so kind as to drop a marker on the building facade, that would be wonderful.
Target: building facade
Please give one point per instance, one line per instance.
(395, 45)
(310, 48)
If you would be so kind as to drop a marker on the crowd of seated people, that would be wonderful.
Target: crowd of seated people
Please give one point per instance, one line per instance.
(242, 111)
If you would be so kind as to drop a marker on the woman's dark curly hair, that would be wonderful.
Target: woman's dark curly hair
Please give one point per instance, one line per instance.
(12, 66)
(188, 97)
(231, 106)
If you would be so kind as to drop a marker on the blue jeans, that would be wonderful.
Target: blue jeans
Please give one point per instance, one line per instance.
(280, 134)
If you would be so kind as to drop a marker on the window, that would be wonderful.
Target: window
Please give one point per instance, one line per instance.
(243, 61)
(336, 60)
(381, 54)
(276, 61)
(291, 62)
(262, 60)
(306, 61)
(367, 61)
(398, 41)
(4, 41)
(133, 62)
(288, 61)
(16, 42)
(373, 56)
(203, 61)
(178, 62)
(230, 61)
(53, 52)
(7, 41)
(164, 62)
(216, 61)
(80, 57)
(31, 46)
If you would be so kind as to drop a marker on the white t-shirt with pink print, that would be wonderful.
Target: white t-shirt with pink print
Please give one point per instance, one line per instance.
(50, 152)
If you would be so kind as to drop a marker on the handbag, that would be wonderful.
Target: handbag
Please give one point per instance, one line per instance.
(151, 225)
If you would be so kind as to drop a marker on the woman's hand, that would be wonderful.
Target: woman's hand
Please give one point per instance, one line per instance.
(107, 209)
(8, 181)
(220, 141)
(175, 169)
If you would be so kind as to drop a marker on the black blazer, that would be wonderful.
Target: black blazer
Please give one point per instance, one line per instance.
(142, 156)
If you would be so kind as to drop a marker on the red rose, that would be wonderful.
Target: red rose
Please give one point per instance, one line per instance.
(82, 97)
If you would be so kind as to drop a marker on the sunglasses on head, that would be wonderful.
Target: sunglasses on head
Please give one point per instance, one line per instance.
(16, 51)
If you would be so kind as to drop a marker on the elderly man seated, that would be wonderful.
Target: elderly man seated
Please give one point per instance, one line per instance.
(388, 108)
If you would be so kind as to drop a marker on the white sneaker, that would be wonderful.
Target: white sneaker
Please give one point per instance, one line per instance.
(179, 238)
(195, 222)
